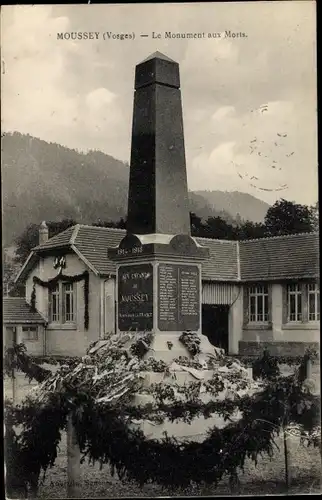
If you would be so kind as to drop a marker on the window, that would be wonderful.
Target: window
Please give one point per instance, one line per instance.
(314, 302)
(258, 304)
(55, 304)
(294, 303)
(68, 299)
(30, 333)
(302, 303)
(62, 303)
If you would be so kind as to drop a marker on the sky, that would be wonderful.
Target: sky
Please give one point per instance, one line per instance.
(249, 103)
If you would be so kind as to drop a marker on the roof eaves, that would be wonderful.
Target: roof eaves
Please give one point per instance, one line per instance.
(81, 256)
(279, 278)
(25, 322)
(44, 246)
(42, 316)
(23, 268)
(102, 228)
(280, 236)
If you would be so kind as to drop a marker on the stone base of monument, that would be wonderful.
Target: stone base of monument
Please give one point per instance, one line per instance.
(166, 346)
(197, 429)
(181, 376)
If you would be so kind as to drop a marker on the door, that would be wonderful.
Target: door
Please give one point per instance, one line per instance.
(215, 324)
(10, 336)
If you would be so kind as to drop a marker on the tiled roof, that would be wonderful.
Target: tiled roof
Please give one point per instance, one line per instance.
(93, 242)
(62, 239)
(16, 310)
(291, 256)
(281, 257)
(222, 262)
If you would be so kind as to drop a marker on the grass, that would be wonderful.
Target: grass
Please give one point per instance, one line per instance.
(266, 478)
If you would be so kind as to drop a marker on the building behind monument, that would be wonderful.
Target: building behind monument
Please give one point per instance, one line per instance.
(87, 281)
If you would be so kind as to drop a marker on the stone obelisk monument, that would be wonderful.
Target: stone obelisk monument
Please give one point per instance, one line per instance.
(158, 262)
(158, 195)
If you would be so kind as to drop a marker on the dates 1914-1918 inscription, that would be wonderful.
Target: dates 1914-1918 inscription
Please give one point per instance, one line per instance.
(178, 297)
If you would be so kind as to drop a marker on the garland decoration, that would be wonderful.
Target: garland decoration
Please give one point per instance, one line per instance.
(16, 358)
(50, 284)
(33, 298)
(99, 393)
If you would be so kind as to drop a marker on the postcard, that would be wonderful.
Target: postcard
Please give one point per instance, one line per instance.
(161, 290)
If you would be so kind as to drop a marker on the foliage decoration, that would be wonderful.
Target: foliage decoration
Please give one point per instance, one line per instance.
(33, 298)
(35, 448)
(99, 393)
(266, 367)
(141, 345)
(153, 365)
(311, 354)
(191, 341)
(185, 361)
(287, 360)
(16, 358)
(55, 360)
(50, 284)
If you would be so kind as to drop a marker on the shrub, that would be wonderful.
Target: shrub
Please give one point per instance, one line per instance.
(266, 367)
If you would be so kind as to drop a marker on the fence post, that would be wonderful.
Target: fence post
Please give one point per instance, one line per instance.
(14, 387)
(73, 461)
(286, 459)
(309, 368)
(14, 372)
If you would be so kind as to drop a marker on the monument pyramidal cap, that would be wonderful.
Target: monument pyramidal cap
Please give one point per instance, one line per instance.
(158, 55)
(158, 194)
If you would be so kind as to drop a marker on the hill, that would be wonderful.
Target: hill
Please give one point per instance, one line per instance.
(234, 202)
(46, 181)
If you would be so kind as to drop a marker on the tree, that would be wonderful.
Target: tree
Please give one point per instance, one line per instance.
(315, 216)
(196, 224)
(10, 271)
(218, 228)
(251, 230)
(30, 237)
(121, 224)
(287, 217)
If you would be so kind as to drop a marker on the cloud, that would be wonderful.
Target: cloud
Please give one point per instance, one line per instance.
(34, 101)
(223, 113)
(261, 156)
(80, 93)
(42, 97)
(99, 97)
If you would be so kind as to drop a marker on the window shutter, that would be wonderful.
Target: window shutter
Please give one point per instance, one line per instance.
(74, 285)
(63, 299)
(245, 304)
(115, 317)
(270, 302)
(284, 295)
(50, 306)
(305, 300)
